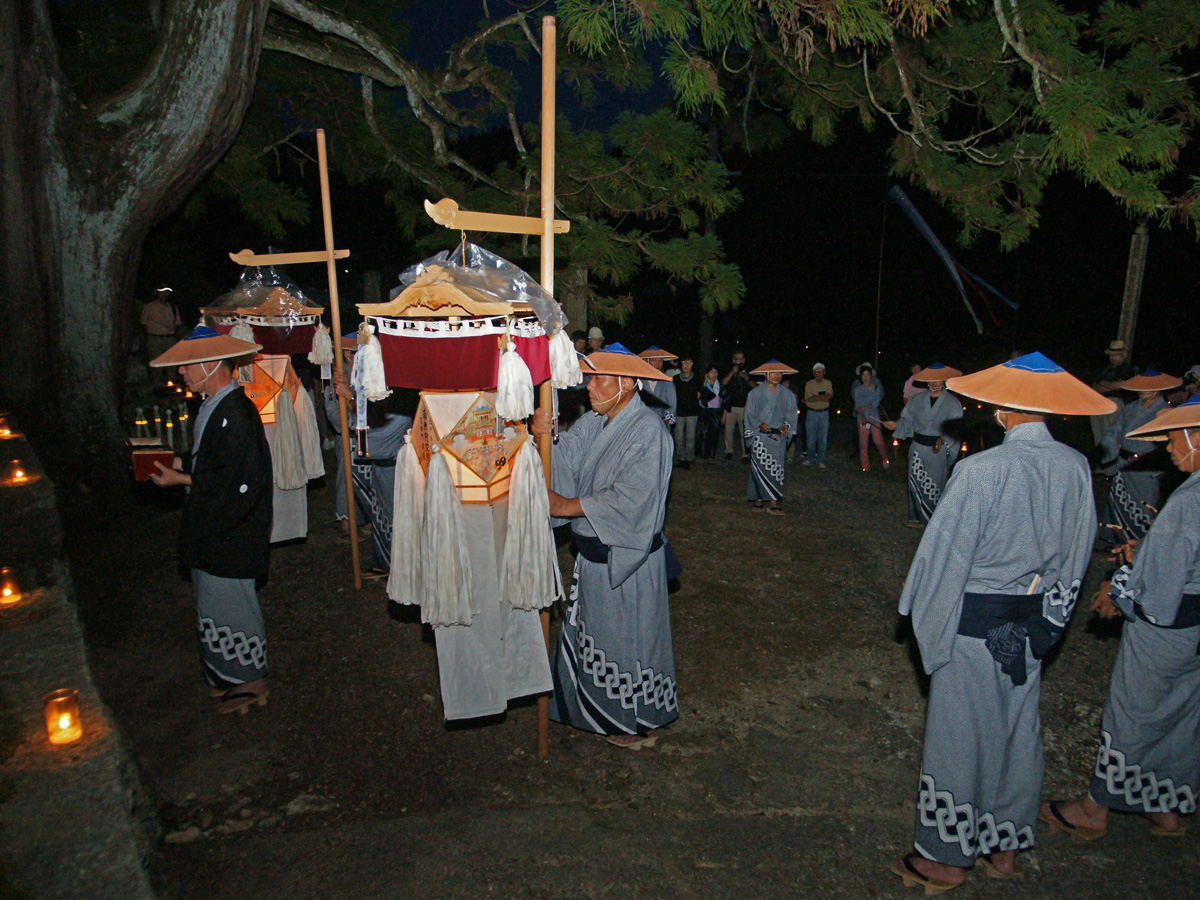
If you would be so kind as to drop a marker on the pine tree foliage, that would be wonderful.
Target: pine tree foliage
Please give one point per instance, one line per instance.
(988, 98)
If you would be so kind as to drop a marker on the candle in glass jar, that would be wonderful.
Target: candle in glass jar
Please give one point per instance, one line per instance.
(63, 724)
(10, 590)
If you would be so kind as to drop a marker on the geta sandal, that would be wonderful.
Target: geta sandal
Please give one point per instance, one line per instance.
(1057, 822)
(639, 741)
(912, 877)
(239, 701)
(1157, 830)
(989, 869)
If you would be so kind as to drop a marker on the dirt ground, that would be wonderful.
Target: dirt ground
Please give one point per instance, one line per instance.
(791, 772)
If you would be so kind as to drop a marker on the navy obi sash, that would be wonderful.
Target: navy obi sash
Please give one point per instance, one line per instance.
(595, 550)
(1006, 622)
(1187, 617)
(926, 440)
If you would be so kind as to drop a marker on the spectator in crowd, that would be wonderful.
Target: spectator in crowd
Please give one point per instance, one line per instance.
(736, 387)
(818, 393)
(687, 411)
(867, 396)
(710, 414)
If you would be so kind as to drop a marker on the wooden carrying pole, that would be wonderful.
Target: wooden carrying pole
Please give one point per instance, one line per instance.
(336, 316)
(546, 394)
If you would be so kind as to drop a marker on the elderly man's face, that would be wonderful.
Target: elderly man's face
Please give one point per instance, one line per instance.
(774, 377)
(603, 391)
(595, 343)
(1116, 357)
(1183, 453)
(819, 373)
(656, 362)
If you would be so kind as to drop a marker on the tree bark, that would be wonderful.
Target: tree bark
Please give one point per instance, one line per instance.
(83, 186)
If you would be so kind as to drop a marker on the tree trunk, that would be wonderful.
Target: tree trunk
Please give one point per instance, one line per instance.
(83, 186)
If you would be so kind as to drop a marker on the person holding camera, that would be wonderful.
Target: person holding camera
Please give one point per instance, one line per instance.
(735, 388)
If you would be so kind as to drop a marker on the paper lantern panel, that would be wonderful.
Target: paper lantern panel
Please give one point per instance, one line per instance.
(270, 375)
(477, 445)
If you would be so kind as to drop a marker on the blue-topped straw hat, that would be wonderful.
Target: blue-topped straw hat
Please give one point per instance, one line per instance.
(936, 372)
(1151, 380)
(653, 352)
(1033, 383)
(617, 359)
(1185, 415)
(204, 345)
(773, 365)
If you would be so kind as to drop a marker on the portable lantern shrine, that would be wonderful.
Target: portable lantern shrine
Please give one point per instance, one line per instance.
(63, 724)
(270, 374)
(278, 315)
(477, 444)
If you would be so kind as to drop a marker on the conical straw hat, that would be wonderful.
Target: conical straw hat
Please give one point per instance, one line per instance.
(1033, 383)
(653, 352)
(773, 365)
(617, 359)
(1185, 415)
(204, 345)
(936, 372)
(1151, 380)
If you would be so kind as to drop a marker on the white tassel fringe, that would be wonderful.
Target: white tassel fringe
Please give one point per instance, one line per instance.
(514, 386)
(322, 348)
(445, 564)
(242, 332)
(564, 364)
(408, 508)
(374, 378)
(287, 457)
(529, 573)
(310, 436)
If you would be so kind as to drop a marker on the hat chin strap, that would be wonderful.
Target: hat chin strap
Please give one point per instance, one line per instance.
(207, 375)
(613, 400)
(1187, 436)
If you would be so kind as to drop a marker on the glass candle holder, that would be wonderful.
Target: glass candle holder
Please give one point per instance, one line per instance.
(10, 589)
(63, 724)
(16, 473)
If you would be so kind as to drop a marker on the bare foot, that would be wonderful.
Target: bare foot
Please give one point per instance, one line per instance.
(1084, 812)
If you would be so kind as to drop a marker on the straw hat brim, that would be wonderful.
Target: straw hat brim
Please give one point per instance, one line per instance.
(210, 349)
(779, 367)
(625, 365)
(1051, 393)
(657, 353)
(1186, 416)
(944, 374)
(1158, 382)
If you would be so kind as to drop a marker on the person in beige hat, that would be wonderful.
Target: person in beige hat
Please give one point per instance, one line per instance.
(225, 527)
(1108, 383)
(1148, 762)
(990, 591)
(614, 666)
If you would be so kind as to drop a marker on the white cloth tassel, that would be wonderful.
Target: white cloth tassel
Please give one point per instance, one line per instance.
(286, 456)
(374, 378)
(514, 386)
(310, 436)
(529, 577)
(445, 565)
(242, 332)
(564, 364)
(408, 508)
(322, 347)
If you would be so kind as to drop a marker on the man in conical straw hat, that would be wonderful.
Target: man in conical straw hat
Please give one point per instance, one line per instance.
(225, 527)
(990, 591)
(771, 420)
(660, 396)
(1133, 496)
(1149, 757)
(928, 418)
(614, 667)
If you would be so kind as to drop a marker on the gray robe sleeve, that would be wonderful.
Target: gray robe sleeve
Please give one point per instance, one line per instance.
(565, 459)
(941, 568)
(755, 413)
(905, 427)
(1167, 562)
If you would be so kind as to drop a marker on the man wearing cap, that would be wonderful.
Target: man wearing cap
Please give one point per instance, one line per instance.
(1133, 494)
(818, 393)
(595, 339)
(927, 419)
(614, 667)
(225, 528)
(1148, 762)
(771, 419)
(1108, 383)
(735, 388)
(990, 591)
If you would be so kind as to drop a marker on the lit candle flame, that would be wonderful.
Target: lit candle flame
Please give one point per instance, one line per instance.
(64, 721)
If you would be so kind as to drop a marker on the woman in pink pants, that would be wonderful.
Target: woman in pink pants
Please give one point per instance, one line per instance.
(868, 394)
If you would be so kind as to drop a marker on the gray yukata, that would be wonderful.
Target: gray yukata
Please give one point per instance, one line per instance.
(1149, 756)
(932, 453)
(1135, 491)
(1021, 509)
(662, 399)
(768, 451)
(614, 667)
